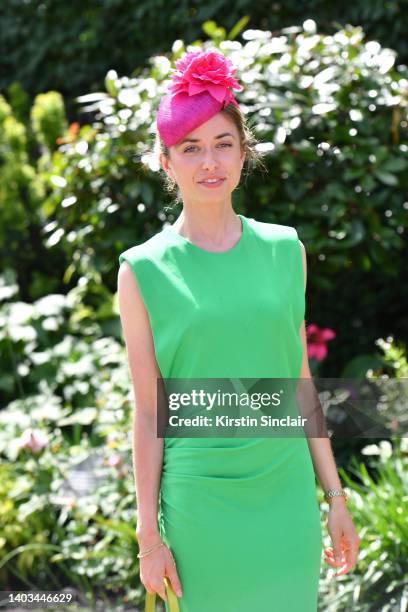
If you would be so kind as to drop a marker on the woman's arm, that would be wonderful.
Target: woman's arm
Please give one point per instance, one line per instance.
(320, 448)
(147, 447)
(342, 531)
(157, 563)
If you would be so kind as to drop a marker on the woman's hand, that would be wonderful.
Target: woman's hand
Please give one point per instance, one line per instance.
(344, 537)
(155, 566)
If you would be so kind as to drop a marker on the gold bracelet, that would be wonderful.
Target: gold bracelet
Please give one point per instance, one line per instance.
(149, 550)
(330, 493)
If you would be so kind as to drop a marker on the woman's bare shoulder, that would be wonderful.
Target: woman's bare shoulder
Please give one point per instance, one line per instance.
(129, 296)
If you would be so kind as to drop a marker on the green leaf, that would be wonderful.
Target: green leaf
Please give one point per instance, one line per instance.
(238, 27)
(358, 366)
(386, 177)
(110, 83)
(210, 28)
(394, 164)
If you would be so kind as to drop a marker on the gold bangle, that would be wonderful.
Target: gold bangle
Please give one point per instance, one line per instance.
(330, 493)
(149, 550)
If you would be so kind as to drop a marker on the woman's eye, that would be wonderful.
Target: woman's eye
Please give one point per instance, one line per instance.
(222, 144)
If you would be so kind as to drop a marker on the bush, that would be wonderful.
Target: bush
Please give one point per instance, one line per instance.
(331, 114)
(377, 506)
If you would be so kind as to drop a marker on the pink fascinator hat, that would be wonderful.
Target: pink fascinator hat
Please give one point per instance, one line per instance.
(201, 87)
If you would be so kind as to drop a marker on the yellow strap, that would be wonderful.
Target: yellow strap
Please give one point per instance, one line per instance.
(150, 604)
(171, 598)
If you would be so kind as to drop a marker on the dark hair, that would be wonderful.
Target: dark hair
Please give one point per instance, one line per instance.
(248, 142)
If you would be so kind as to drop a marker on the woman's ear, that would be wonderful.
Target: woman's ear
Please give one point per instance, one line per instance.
(166, 165)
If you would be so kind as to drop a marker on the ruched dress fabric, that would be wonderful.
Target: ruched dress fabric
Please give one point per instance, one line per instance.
(240, 515)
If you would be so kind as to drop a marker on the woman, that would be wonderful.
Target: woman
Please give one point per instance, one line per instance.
(233, 522)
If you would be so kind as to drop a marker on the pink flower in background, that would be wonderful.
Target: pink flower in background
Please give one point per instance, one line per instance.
(114, 460)
(316, 341)
(33, 440)
(205, 70)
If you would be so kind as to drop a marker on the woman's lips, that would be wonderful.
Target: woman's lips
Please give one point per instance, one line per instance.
(212, 184)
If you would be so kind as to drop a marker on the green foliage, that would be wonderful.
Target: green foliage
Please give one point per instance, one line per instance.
(67, 509)
(377, 506)
(64, 503)
(56, 345)
(388, 366)
(24, 148)
(67, 514)
(395, 362)
(48, 119)
(377, 481)
(78, 44)
(73, 387)
(331, 115)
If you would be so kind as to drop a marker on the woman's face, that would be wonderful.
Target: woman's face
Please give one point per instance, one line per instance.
(210, 151)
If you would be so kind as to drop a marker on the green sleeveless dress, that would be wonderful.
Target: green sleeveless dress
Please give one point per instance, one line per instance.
(240, 515)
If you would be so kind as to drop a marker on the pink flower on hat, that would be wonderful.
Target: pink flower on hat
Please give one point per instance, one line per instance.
(210, 71)
(199, 90)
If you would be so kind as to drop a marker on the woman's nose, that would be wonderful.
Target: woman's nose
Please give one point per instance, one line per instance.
(209, 160)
